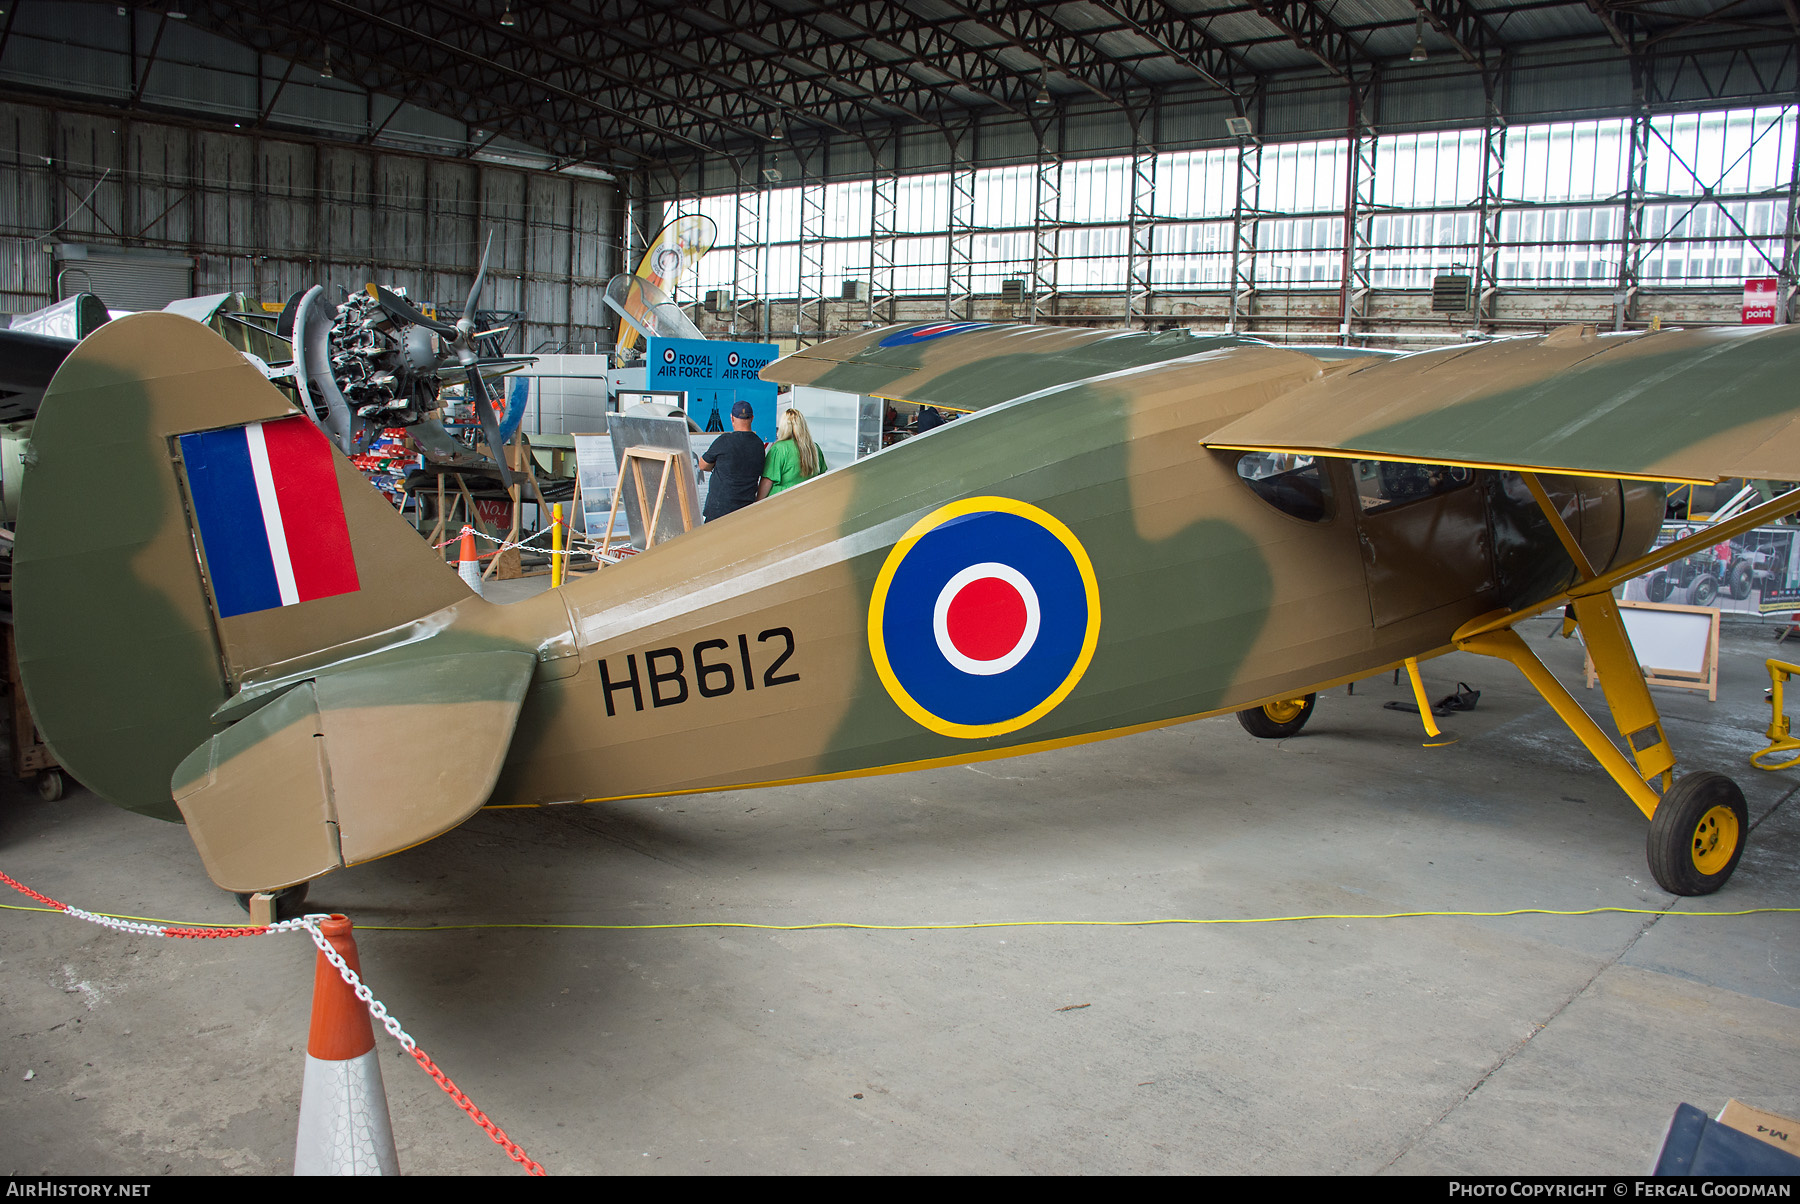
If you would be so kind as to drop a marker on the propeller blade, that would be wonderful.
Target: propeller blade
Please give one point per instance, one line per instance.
(468, 313)
(399, 307)
(490, 425)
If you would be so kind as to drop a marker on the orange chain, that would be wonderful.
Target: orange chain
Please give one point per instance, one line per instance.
(424, 1060)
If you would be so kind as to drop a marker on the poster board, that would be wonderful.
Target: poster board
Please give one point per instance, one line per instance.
(666, 434)
(1676, 645)
(597, 471)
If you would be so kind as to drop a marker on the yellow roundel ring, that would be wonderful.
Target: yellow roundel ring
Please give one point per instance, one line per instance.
(984, 617)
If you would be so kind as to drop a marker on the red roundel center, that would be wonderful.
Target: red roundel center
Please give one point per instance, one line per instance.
(986, 619)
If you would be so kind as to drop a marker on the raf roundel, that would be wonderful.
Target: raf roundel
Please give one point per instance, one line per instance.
(924, 334)
(668, 355)
(984, 617)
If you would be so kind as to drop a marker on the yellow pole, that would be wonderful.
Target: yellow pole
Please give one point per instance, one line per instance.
(556, 543)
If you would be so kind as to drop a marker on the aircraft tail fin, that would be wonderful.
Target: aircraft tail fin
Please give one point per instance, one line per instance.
(183, 526)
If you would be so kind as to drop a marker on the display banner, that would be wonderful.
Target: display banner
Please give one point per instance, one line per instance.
(716, 375)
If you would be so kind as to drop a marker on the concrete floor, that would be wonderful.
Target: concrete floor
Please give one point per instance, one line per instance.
(1431, 1045)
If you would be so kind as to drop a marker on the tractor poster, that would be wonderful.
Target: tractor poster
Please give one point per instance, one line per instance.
(1755, 573)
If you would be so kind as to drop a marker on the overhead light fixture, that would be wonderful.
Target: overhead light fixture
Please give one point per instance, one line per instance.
(1238, 127)
(325, 71)
(506, 17)
(1043, 96)
(1418, 54)
(586, 171)
(507, 159)
(777, 132)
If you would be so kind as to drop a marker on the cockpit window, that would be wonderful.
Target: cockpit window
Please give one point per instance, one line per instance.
(1384, 483)
(1296, 485)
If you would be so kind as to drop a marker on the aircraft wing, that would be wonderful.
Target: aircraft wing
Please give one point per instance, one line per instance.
(1677, 405)
(969, 366)
(27, 362)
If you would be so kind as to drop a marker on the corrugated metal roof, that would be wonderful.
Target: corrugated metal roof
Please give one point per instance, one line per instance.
(639, 83)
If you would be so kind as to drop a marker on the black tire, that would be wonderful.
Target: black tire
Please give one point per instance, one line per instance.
(1659, 587)
(1704, 590)
(1697, 834)
(51, 785)
(1277, 720)
(290, 902)
(1743, 580)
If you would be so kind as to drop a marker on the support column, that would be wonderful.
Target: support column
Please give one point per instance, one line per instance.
(809, 299)
(1243, 235)
(1631, 234)
(1142, 233)
(746, 269)
(884, 204)
(1359, 212)
(959, 283)
(1487, 235)
(1790, 242)
(1045, 223)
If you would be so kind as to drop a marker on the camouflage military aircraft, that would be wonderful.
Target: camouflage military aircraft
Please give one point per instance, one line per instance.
(1124, 530)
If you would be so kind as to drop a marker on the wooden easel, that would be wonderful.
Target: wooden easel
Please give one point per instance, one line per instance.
(1706, 677)
(632, 462)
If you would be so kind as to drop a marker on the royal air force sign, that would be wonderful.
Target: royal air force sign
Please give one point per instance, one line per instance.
(984, 617)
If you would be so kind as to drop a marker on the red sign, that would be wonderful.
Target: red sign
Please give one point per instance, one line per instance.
(495, 511)
(1761, 299)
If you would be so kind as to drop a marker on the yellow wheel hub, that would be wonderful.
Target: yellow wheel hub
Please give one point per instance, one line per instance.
(1715, 839)
(1285, 711)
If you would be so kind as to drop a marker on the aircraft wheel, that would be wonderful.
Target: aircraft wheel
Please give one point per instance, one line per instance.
(51, 785)
(1659, 587)
(290, 903)
(1743, 579)
(1704, 590)
(1697, 834)
(1276, 720)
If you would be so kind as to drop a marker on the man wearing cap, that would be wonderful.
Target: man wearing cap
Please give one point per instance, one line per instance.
(736, 461)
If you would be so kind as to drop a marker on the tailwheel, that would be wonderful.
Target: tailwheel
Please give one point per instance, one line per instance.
(1697, 834)
(1275, 720)
(290, 902)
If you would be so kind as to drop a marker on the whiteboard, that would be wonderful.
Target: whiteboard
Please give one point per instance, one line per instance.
(1670, 641)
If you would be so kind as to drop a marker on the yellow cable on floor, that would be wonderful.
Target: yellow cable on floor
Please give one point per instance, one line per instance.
(845, 924)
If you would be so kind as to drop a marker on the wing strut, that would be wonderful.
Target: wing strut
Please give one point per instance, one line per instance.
(1697, 824)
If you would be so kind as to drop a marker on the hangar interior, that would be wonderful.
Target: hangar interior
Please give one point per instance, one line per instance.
(1179, 952)
(1300, 171)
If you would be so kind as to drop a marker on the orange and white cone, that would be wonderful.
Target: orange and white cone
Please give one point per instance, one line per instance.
(344, 1127)
(469, 568)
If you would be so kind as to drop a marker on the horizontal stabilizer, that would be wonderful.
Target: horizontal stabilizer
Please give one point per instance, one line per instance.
(350, 766)
(1679, 405)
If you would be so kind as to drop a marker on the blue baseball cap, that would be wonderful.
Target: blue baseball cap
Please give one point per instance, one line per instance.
(742, 410)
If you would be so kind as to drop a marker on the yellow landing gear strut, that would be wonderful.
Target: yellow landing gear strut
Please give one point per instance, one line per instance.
(1698, 822)
(1780, 733)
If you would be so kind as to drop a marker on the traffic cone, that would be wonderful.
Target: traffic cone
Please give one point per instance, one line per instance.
(344, 1128)
(469, 568)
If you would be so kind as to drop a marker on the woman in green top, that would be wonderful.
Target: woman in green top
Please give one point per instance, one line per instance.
(792, 458)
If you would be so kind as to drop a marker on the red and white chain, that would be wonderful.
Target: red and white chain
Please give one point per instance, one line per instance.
(310, 925)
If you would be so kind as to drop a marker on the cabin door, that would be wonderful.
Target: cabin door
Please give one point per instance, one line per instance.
(1424, 535)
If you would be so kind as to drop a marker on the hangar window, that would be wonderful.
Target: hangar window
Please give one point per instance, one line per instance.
(1384, 483)
(1296, 485)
